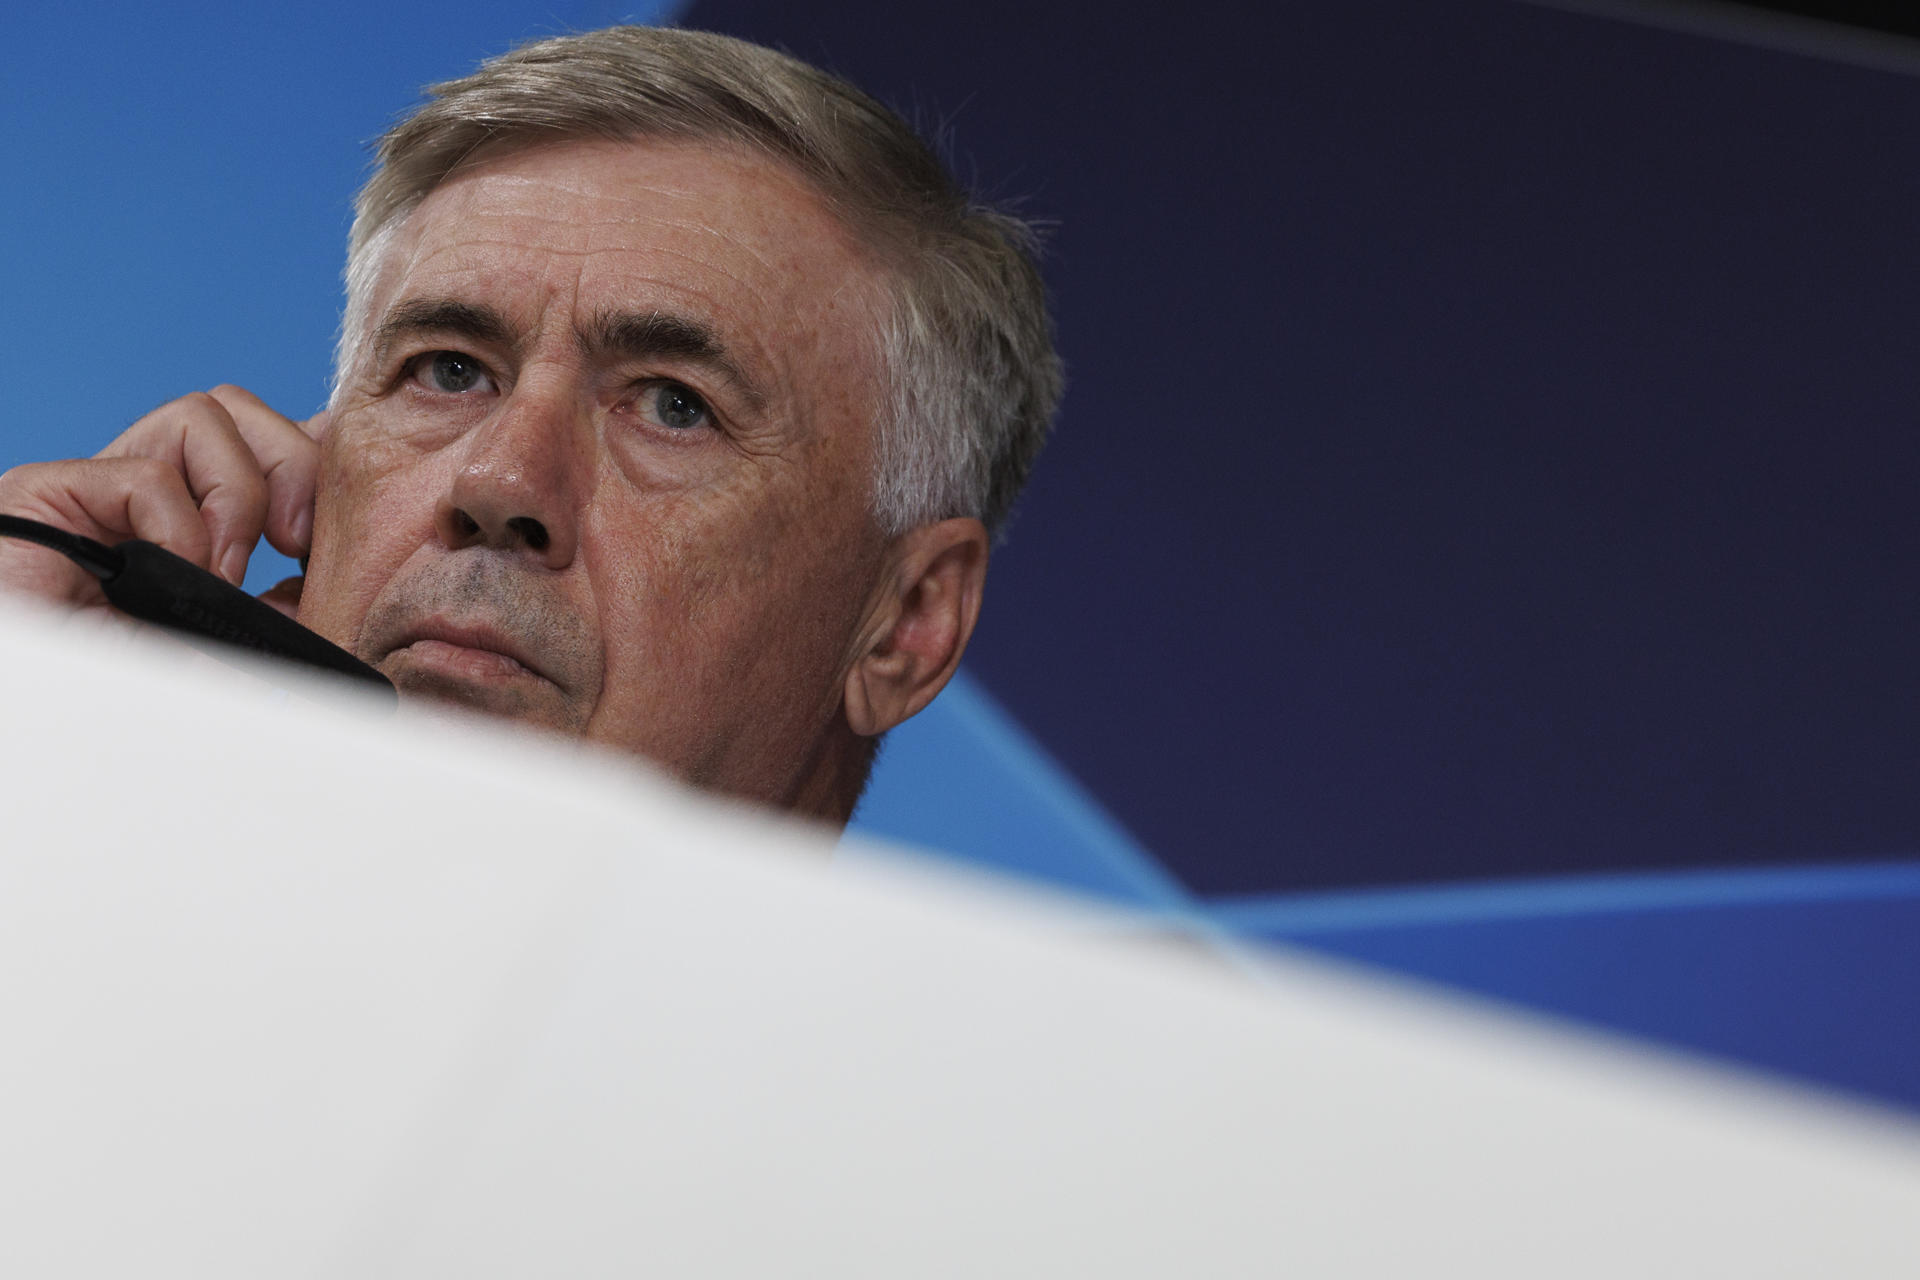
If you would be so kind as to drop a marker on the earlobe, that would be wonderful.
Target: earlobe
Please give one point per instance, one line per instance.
(920, 624)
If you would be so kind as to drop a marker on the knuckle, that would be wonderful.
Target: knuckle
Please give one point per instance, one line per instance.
(173, 418)
(209, 414)
(302, 458)
(249, 490)
(203, 407)
(149, 473)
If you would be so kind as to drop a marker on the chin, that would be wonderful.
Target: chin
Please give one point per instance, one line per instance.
(526, 701)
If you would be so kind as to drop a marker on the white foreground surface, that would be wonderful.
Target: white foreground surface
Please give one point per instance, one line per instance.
(288, 990)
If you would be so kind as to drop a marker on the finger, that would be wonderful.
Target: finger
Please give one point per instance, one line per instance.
(288, 458)
(197, 437)
(108, 501)
(111, 500)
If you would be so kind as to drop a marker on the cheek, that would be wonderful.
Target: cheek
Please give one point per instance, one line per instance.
(375, 506)
(724, 590)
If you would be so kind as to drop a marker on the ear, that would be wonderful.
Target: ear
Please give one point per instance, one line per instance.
(918, 625)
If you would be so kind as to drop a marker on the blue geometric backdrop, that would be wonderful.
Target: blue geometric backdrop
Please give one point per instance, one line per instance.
(1479, 539)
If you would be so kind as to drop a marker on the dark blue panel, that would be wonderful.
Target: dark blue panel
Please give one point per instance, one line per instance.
(962, 778)
(1490, 446)
(1823, 990)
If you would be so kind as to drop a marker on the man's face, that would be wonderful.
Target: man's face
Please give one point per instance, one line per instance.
(602, 463)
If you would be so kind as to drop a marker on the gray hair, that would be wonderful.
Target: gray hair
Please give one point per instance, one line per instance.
(966, 346)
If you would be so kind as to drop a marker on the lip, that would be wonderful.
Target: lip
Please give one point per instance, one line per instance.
(473, 650)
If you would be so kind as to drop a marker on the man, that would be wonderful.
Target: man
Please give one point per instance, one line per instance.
(678, 396)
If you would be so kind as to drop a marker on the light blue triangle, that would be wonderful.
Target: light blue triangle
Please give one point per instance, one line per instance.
(964, 779)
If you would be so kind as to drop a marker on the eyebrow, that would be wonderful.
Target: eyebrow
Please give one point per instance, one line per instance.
(440, 315)
(648, 335)
(655, 335)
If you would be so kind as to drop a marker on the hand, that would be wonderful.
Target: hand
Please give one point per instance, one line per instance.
(204, 476)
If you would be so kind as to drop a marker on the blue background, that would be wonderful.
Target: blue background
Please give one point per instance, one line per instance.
(1479, 538)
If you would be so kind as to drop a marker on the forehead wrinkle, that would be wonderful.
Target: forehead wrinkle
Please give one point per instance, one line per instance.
(635, 207)
(517, 245)
(704, 264)
(636, 215)
(627, 214)
(477, 285)
(625, 218)
(745, 245)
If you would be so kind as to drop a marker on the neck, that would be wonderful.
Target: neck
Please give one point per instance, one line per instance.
(829, 787)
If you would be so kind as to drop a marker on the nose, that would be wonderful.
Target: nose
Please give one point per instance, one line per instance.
(519, 486)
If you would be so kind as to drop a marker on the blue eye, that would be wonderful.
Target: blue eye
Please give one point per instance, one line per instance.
(454, 373)
(677, 407)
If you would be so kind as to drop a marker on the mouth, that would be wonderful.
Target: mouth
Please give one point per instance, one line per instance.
(466, 653)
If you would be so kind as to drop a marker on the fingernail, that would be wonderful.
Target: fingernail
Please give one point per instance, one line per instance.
(303, 527)
(233, 565)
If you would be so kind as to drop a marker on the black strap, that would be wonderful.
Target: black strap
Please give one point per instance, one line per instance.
(148, 582)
